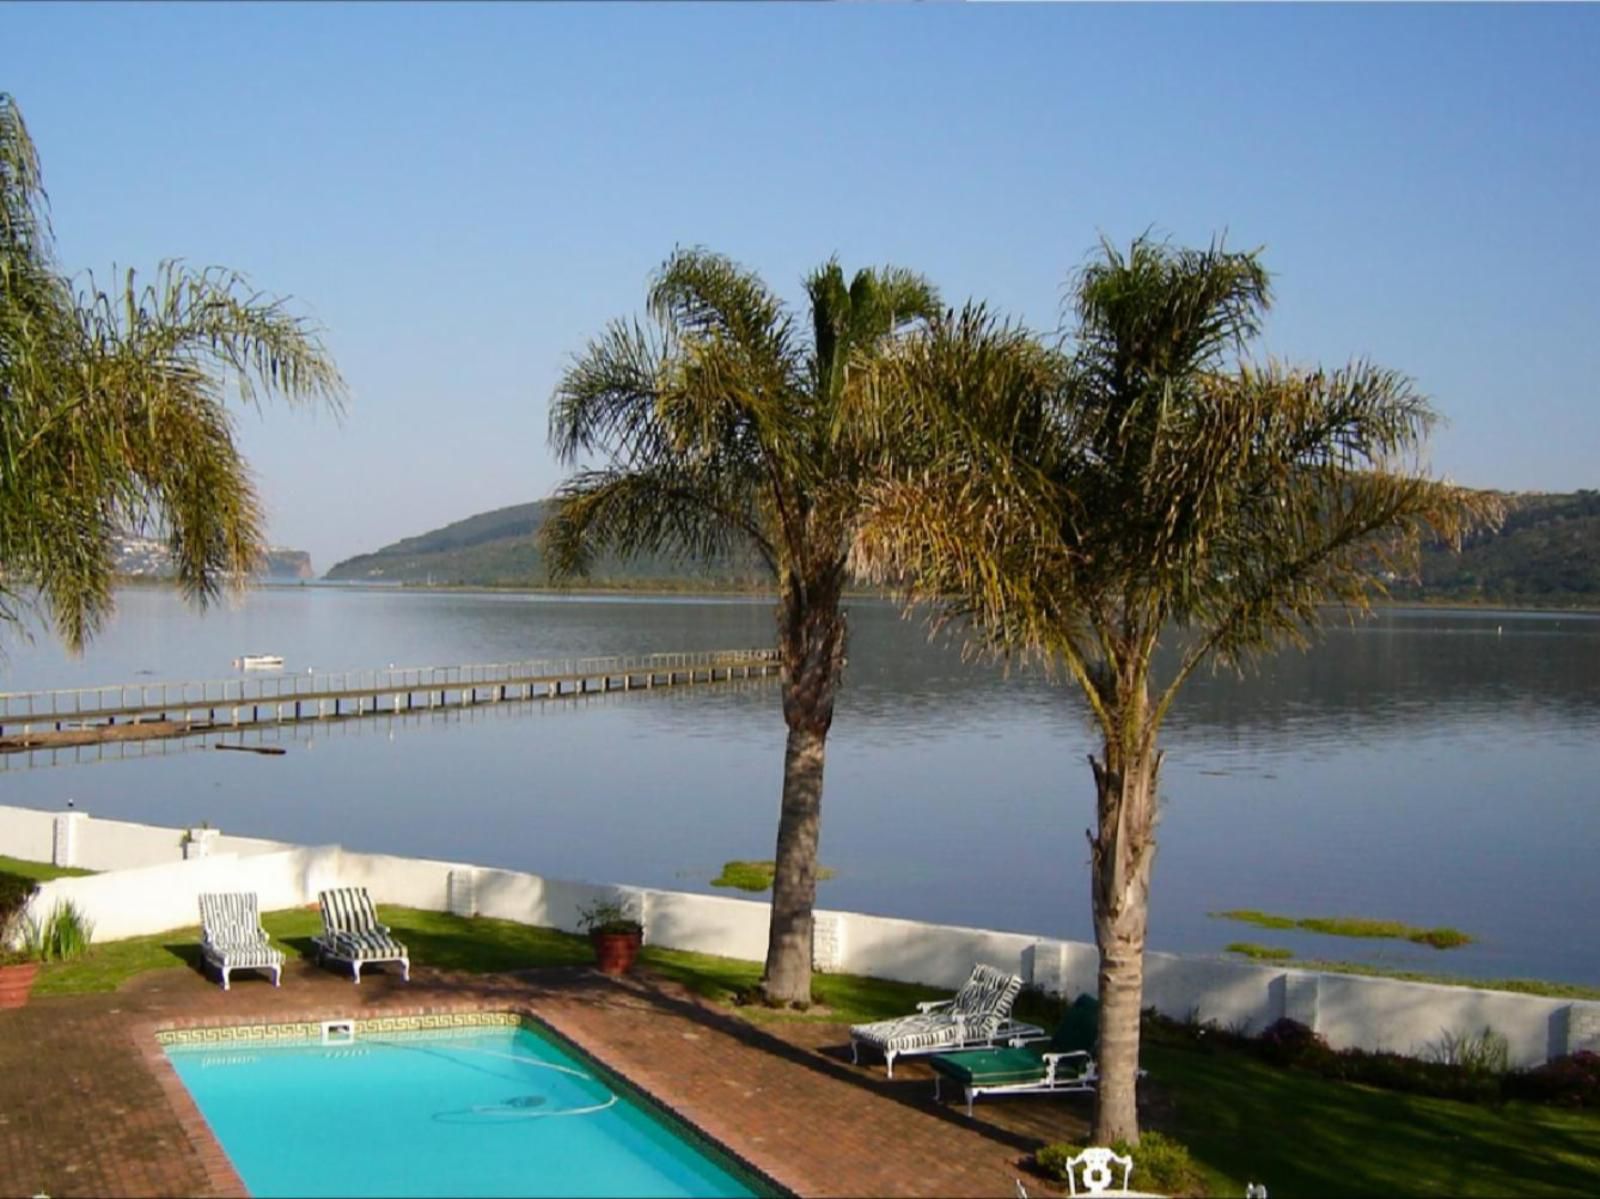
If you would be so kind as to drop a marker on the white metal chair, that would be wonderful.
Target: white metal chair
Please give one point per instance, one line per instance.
(979, 1014)
(1095, 1164)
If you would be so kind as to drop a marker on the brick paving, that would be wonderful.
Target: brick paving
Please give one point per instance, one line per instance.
(90, 1106)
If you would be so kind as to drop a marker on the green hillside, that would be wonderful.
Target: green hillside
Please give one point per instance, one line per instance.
(1547, 554)
(500, 548)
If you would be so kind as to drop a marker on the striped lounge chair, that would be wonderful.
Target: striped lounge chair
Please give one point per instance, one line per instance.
(979, 1014)
(351, 932)
(231, 936)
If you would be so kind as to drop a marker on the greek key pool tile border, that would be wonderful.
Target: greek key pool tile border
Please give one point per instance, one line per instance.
(311, 1030)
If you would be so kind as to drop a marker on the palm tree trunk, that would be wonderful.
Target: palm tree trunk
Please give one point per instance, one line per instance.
(811, 638)
(794, 882)
(1122, 855)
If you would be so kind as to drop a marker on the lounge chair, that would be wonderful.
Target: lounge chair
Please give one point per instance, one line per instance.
(231, 936)
(979, 1014)
(1056, 1065)
(351, 932)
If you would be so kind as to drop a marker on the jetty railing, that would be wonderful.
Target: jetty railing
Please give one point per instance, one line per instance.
(284, 694)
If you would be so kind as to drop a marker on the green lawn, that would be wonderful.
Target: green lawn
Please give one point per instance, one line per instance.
(42, 871)
(1245, 1120)
(1241, 1118)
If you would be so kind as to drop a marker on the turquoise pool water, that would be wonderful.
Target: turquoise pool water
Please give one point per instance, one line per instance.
(483, 1111)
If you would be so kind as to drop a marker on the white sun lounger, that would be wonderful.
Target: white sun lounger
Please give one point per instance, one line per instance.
(231, 936)
(351, 932)
(979, 1014)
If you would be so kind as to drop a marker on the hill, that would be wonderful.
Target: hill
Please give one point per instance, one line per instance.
(1547, 554)
(146, 558)
(501, 548)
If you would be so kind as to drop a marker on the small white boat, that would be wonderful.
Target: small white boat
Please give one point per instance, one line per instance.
(258, 662)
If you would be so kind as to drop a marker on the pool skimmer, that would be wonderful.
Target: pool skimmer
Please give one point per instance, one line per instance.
(338, 1032)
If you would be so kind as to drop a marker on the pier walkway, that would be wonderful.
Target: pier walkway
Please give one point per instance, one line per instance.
(134, 711)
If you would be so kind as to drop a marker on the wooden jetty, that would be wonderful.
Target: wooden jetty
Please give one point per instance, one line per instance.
(136, 711)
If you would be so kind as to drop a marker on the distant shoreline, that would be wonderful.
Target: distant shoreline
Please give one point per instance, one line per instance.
(753, 591)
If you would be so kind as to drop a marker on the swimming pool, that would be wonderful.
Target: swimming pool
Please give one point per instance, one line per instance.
(505, 1109)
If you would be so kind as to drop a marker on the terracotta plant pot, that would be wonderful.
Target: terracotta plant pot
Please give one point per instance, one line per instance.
(616, 952)
(16, 982)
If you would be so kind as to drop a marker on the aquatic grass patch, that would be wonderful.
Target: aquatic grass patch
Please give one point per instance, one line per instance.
(1262, 953)
(1351, 926)
(754, 876)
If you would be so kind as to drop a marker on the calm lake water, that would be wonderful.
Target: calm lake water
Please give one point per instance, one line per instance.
(1427, 766)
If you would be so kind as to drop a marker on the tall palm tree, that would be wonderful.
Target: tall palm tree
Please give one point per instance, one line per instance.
(721, 426)
(1077, 508)
(113, 413)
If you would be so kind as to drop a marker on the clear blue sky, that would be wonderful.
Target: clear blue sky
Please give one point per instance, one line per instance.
(463, 195)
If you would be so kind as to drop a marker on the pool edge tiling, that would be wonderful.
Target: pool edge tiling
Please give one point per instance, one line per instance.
(225, 1177)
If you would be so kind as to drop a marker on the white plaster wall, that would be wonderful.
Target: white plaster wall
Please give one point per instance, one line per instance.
(731, 928)
(1349, 1010)
(1405, 1017)
(154, 899)
(26, 833)
(1233, 994)
(933, 954)
(413, 882)
(120, 845)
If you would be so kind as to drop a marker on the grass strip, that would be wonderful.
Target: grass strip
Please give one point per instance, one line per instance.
(39, 871)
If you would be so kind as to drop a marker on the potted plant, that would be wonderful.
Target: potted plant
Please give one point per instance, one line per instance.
(615, 932)
(19, 966)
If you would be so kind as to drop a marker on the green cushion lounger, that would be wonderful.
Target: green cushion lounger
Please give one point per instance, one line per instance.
(351, 932)
(1057, 1065)
(231, 936)
(979, 1014)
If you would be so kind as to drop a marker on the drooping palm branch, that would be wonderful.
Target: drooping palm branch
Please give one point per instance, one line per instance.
(114, 413)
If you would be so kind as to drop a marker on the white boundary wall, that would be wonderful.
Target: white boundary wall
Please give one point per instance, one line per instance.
(1350, 1010)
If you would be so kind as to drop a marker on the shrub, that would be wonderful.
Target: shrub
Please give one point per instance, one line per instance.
(1287, 1042)
(1476, 1053)
(1569, 1081)
(1160, 1164)
(15, 891)
(63, 935)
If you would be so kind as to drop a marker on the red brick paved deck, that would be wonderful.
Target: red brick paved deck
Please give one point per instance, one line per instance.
(90, 1106)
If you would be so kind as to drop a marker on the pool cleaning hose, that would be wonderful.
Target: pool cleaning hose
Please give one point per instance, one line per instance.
(521, 1107)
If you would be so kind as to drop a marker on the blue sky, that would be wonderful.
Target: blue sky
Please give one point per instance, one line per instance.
(464, 195)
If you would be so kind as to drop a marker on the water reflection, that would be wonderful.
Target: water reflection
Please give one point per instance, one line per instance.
(1429, 766)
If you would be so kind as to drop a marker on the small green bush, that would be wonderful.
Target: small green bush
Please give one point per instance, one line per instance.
(1160, 1164)
(65, 934)
(1486, 1052)
(15, 891)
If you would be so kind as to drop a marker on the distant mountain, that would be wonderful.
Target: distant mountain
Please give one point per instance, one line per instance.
(501, 548)
(1546, 554)
(145, 558)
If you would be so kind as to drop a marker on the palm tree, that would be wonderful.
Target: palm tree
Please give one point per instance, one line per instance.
(721, 427)
(1148, 482)
(113, 414)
